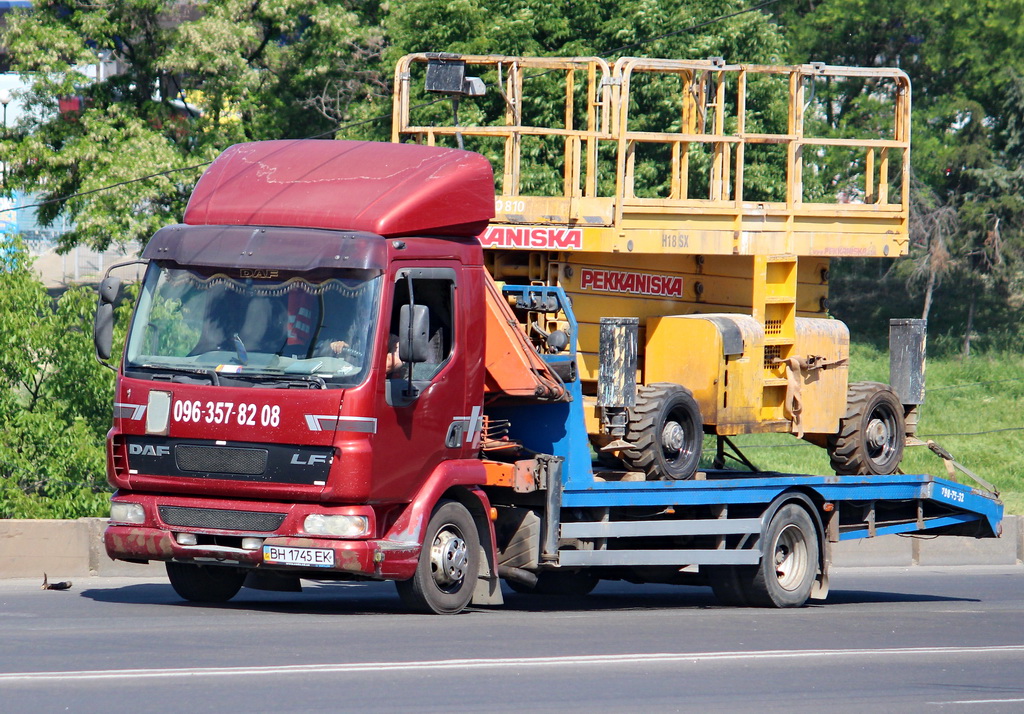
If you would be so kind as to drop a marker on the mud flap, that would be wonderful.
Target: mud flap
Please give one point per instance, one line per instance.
(488, 585)
(819, 591)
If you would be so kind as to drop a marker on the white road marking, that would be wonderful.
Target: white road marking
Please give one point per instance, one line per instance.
(616, 660)
(981, 701)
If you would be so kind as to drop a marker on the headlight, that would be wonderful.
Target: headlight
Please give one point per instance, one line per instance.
(127, 513)
(343, 526)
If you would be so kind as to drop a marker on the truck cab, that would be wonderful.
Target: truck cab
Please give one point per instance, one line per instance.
(302, 378)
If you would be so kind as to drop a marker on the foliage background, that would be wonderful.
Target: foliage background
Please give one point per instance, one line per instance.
(196, 77)
(55, 400)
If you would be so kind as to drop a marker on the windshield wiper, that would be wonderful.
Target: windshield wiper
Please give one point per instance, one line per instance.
(209, 373)
(284, 381)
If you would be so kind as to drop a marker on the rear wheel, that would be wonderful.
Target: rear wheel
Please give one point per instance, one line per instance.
(666, 431)
(789, 561)
(871, 434)
(205, 583)
(448, 566)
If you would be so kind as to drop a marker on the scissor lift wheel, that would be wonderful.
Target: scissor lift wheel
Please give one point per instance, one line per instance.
(666, 433)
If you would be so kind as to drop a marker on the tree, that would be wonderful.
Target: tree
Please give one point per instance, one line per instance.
(190, 79)
(686, 29)
(598, 27)
(181, 82)
(965, 62)
(54, 401)
(932, 227)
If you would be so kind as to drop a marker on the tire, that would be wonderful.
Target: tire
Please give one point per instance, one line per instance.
(789, 561)
(872, 434)
(666, 431)
(576, 583)
(205, 583)
(448, 565)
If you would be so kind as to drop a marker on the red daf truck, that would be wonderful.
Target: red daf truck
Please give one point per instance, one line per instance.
(323, 380)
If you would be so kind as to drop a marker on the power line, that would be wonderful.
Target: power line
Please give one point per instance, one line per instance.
(111, 186)
(921, 436)
(691, 28)
(207, 163)
(975, 433)
(972, 384)
(334, 131)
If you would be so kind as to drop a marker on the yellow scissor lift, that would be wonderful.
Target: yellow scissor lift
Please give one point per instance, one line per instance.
(705, 199)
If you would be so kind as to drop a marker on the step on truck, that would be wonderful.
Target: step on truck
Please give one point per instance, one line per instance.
(492, 349)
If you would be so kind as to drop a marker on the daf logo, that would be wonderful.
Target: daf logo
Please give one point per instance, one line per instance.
(148, 450)
(258, 273)
(311, 460)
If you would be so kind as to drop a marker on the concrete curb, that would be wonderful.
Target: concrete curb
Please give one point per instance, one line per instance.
(62, 550)
(74, 549)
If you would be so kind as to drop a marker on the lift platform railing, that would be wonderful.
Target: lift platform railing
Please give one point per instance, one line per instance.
(693, 156)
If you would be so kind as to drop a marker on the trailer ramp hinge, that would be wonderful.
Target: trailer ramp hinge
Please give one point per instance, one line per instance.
(952, 466)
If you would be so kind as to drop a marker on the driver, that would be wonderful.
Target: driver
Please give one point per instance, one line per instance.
(345, 326)
(392, 363)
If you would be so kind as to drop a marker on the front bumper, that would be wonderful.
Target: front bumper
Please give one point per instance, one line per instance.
(377, 558)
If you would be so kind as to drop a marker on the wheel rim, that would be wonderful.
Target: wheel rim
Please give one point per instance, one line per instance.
(672, 438)
(677, 437)
(880, 436)
(449, 558)
(791, 558)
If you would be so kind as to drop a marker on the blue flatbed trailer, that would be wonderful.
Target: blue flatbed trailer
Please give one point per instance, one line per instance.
(758, 538)
(856, 506)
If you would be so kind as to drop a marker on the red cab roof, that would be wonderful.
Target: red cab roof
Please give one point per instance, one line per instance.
(387, 189)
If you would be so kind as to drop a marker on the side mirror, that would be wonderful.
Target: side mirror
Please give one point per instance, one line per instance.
(103, 330)
(413, 333)
(109, 287)
(103, 325)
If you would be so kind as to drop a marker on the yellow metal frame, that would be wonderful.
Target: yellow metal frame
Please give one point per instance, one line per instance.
(720, 223)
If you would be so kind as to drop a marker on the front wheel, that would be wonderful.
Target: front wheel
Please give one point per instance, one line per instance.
(789, 561)
(205, 583)
(448, 566)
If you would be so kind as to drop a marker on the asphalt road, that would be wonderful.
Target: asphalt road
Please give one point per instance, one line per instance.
(920, 639)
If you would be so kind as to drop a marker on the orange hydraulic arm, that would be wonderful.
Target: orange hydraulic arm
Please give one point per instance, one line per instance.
(513, 367)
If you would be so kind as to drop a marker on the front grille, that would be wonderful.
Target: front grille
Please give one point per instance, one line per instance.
(220, 459)
(225, 520)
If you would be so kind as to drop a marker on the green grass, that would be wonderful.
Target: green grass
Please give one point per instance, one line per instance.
(972, 408)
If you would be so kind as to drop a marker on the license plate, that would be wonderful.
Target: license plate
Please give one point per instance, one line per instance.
(311, 557)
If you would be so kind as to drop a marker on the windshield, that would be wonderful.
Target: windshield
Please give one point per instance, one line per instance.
(255, 329)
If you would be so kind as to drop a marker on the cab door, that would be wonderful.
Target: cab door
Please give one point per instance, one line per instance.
(423, 417)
